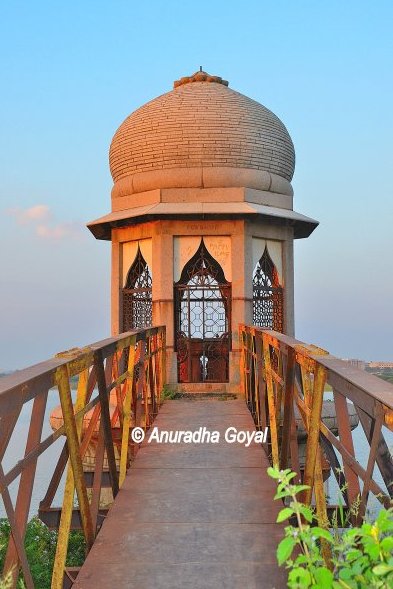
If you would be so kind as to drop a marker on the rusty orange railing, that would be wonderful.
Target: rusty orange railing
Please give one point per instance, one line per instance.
(128, 373)
(284, 383)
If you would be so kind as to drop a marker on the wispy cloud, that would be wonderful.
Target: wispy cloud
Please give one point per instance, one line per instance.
(30, 215)
(58, 231)
(40, 217)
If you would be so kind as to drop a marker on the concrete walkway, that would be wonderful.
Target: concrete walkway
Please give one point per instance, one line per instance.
(191, 516)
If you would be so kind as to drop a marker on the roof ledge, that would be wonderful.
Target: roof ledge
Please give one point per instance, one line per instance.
(101, 228)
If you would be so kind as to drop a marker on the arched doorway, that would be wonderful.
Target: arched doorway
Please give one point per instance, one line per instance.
(137, 295)
(267, 295)
(202, 320)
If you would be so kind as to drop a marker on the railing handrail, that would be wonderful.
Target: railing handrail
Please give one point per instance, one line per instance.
(16, 381)
(363, 381)
(281, 373)
(129, 368)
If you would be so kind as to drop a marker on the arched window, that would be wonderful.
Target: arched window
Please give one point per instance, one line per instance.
(267, 295)
(202, 320)
(137, 295)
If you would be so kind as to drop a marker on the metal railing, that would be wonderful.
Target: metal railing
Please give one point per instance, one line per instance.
(284, 382)
(118, 385)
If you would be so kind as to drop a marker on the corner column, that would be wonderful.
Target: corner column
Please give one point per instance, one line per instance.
(289, 295)
(162, 294)
(241, 299)
(116, 285)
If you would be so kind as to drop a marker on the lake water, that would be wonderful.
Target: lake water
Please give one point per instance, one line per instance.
(362, 452)
(45, 463)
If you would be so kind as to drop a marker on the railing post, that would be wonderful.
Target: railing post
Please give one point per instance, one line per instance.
(376, 434)
(242, 361)
(105, 420)
(163, 359)
(271, 400)
(127, 412)
(156, 367)
(69, 492)
(344, 430)
(313, 430)
(288, 407)
(26, 482)
(62, 378)
(16, 535)
(97, 478)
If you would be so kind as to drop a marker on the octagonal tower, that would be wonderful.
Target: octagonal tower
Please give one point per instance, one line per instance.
(202, 225)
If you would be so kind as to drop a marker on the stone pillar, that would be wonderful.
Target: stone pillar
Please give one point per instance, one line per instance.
(163, 308)
(240, 302)
(248, 273)
(289, 296)
(116, 285)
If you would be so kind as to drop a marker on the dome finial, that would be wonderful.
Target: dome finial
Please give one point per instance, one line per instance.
(200, 76)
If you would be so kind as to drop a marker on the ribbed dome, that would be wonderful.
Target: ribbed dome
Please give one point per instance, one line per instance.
(201, 124)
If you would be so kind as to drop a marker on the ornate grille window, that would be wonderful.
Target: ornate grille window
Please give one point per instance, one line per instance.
(137, 295)
(267, 295)
(202, 320)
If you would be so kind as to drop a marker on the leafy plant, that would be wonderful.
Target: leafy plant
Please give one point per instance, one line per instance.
(40, 545)
(359, 557)
(169, 394)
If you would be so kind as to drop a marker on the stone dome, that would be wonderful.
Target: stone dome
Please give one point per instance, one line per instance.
(202, 124)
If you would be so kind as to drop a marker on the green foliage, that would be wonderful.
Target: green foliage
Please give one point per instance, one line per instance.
(169, 394)
(40, 544)
(360, 556)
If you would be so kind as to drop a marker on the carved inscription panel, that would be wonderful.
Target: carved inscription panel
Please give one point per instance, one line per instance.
(218, 246)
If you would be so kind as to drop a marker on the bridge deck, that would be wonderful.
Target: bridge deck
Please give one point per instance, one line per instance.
(195, 516)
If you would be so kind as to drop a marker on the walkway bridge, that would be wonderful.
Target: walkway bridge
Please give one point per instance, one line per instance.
(185, 515)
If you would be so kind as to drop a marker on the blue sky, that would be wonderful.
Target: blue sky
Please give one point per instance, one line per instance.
(71, 72)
